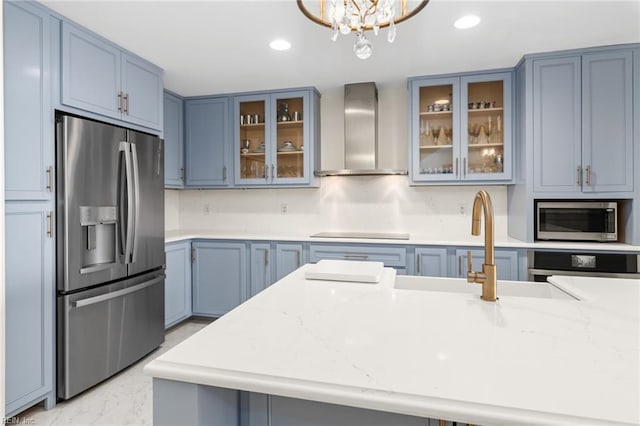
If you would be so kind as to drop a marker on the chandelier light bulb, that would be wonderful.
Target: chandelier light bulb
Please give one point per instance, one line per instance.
(363, 47)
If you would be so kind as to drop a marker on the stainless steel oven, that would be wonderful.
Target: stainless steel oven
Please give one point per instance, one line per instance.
(576, 220)
(542, 264)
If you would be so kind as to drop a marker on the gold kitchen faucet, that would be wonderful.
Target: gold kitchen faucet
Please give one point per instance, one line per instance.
(488, 275)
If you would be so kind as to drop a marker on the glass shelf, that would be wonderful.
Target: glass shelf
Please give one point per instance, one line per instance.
(432, 113)
(290, 123)
(436, 146)
(475, 110)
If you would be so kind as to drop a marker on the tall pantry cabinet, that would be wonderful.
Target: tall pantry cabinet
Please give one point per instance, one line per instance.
(29, 208)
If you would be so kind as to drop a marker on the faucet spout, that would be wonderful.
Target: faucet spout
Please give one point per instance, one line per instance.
(482, 204)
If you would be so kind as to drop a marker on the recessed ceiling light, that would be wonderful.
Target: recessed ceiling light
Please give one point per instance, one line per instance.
(280, 44)
(467, 21)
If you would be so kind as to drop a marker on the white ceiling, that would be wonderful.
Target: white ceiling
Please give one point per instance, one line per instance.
(216, 46)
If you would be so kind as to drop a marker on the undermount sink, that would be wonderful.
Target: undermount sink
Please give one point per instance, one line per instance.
(459, 285)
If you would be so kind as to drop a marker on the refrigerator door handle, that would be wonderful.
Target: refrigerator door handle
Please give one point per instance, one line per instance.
(136, 205)
(118, 293)
(127, 235)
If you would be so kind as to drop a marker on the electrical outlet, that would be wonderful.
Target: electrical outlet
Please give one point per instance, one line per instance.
(207, 209)
(283, 208)
(462, 208)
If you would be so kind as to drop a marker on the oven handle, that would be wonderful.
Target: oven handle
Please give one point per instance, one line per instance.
(533, 271)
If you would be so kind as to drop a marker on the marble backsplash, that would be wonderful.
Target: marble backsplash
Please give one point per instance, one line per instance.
(362, 204)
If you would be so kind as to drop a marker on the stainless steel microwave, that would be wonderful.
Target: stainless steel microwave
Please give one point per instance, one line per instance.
(576, 220)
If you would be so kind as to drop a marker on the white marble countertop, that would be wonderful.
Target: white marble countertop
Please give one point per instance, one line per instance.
(427, 240)
(443, 355)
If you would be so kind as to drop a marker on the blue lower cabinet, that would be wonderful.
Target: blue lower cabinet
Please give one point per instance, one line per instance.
(261, 271)
(288, 259)
(506, 262)
(431, 262)
(219, 277)
(177, 287)
(30, 296)
(391, 256)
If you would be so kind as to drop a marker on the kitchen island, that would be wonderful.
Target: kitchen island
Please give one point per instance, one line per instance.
(306, 352)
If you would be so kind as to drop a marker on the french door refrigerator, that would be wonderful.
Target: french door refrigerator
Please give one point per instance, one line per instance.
(110, 250)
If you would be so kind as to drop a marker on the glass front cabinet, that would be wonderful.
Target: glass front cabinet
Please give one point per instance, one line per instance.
(461, 128)
(274, 138)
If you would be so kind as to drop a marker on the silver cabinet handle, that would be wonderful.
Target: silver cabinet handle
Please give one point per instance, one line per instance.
(457, 161)
(50, 178)
(182, 173)
(125, 97)
(272, 172)
(266, 258)
(298, 258)
(356, 256)
(588, 180)
(224, 174)
(418, 263)
(464, 167)
(193, 255)
(50, 223)
(104, 297)
(120, 107)
(579, 177)
(460, 266)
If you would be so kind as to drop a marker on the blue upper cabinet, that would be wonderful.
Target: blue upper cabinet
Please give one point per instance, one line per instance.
(461, 129)
(607, 121)
(557, 153)
(142, 92)
(207, 141)
(28, 117)
(173, 141)
(275, 138)
(99, 77)
(583, 124)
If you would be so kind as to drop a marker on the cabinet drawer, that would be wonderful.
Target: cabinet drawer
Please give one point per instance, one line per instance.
(390, 256)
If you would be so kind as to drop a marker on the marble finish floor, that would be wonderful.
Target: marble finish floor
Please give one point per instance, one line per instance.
(124, 399)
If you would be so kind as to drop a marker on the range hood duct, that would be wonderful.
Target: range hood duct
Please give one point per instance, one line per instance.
(360, 133)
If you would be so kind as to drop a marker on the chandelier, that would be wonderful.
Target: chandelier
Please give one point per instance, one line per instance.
(358, 16)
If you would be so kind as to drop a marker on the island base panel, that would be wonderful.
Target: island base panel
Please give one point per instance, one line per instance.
(180, 403)
(192, 404)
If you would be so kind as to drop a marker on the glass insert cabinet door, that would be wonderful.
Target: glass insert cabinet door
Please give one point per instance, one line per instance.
(290, 134)
(252, 118)
(485, 125)
(438, 124)
(270, 136)
(461, 128)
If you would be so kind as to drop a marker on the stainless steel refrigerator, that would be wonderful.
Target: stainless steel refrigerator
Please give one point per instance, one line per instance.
(110, 250)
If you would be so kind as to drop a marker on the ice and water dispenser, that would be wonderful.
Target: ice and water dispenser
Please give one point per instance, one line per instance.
(99, 236)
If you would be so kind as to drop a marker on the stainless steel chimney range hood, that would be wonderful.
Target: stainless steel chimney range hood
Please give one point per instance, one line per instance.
(360, 133)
